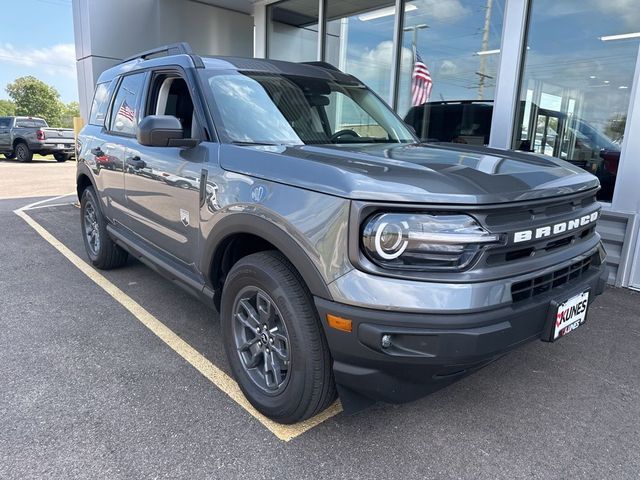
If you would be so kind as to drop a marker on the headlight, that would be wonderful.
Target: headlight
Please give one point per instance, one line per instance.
(423, 241)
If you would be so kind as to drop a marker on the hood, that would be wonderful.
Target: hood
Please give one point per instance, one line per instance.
(415, 173)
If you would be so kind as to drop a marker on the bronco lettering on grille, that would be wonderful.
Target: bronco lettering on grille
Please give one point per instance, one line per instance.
(555, 229)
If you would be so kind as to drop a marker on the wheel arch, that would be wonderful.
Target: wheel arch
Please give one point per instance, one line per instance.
(241, 234)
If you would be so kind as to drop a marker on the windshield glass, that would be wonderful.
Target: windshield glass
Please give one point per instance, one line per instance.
(268, 108)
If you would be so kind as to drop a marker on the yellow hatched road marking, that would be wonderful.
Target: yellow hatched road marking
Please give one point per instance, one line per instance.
(220, 379)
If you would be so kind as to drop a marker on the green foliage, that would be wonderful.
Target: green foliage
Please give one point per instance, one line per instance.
(33, 97)
(7, 108)
(71, 109)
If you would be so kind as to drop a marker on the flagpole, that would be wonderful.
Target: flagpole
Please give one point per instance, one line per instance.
(414, 49)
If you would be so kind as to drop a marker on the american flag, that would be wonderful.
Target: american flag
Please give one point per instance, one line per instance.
(421, 82)
(126, 111)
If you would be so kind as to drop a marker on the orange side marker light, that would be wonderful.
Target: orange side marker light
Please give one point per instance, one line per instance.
(339, 323)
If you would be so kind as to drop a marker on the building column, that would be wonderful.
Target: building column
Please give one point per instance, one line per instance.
(505, 102)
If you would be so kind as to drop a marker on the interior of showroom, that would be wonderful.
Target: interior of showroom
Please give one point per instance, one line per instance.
(554, 78)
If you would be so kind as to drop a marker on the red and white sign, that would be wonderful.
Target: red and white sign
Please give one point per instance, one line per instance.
(571, 314)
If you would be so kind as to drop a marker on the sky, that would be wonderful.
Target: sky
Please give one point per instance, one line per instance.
(36, 39)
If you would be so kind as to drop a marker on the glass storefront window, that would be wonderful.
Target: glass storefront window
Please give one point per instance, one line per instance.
(576, 82)
(292, 33)
(359, 40)
(458, 45)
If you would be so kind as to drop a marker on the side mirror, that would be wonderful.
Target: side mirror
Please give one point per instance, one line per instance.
(162, 131)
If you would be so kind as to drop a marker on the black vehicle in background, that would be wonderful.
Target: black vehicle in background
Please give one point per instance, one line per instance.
(547, 132)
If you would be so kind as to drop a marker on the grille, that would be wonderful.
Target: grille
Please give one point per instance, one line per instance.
(545, 283)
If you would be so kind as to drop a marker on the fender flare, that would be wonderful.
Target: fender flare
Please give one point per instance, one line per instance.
(239, 223)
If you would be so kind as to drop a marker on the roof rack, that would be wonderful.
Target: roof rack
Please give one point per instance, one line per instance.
(326, 65)
(171, 49)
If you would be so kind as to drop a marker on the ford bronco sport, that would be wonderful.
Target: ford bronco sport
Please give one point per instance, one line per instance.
(344, 256)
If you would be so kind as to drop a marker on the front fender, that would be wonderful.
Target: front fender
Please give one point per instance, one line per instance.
(250, 223)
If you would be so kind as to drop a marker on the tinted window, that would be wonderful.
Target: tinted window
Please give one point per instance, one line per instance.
(5, 122)
(100, 104)
(124, 117)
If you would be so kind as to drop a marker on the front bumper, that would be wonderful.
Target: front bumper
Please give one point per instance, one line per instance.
(432, 350)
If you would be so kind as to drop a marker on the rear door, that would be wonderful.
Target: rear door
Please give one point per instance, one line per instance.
(109, 149)
(5, 133)
(163, 183)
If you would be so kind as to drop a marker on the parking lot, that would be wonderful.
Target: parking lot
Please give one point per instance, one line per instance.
(97, 381)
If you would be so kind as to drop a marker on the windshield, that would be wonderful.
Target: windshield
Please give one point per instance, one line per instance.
(275, 109)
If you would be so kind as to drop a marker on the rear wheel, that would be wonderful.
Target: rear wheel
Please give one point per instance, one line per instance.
(273, 339)
(101, 249)
(61, 157)
(23, 152)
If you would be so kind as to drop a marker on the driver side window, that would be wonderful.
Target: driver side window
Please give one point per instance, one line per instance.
(170, 96)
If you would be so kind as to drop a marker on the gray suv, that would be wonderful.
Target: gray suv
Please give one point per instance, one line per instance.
(344, 256)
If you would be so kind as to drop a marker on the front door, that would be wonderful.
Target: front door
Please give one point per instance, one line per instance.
(163, 183)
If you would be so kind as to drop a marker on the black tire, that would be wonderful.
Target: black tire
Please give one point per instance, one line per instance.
(23, 152)
(61, 157)
(308, 386)
(104, 254)
(10, 155)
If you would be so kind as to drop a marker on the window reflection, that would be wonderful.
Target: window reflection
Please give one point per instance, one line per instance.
(458, 41)
(359, 40)
(576, 83)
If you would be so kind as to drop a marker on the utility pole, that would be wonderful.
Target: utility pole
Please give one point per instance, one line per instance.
(485, 45)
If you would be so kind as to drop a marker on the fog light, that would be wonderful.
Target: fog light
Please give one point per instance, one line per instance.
(386, 341)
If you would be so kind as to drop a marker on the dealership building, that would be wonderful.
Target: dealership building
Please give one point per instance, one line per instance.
(559, 78)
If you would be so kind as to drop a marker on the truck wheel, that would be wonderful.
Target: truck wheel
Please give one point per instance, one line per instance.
(273, 339)
(61, 157)
(23, 152)
(101, 249)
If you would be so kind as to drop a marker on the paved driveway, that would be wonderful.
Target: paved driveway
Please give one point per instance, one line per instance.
(87, 390)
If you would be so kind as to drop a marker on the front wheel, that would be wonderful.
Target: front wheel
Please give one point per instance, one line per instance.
(273, 339)
(23, 152)
(101, 249)
(61, 157)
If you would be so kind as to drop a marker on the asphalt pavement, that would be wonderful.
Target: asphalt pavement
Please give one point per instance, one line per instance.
(87, 391)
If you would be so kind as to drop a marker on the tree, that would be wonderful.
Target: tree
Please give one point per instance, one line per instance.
(71, 109)
(7, 108)
(33, 97)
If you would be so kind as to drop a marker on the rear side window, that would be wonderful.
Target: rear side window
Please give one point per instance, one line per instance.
(30, 123)
(100, 104)
(124, 117)
(5, 122)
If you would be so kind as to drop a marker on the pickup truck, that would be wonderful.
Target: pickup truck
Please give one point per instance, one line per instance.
(21, 137)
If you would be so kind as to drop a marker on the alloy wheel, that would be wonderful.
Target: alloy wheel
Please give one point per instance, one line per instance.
(91, 228)
(261, 340)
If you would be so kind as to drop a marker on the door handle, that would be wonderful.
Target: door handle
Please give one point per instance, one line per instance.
(136, 162)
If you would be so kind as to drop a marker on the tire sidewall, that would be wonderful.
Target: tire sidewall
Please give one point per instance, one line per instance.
(272, 405)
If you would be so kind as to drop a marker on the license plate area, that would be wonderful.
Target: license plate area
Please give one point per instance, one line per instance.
(566, 316)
